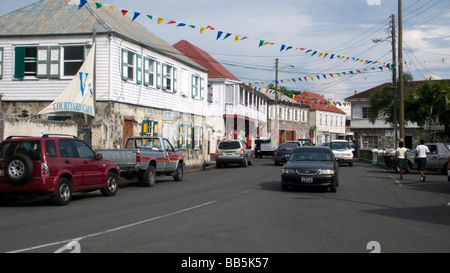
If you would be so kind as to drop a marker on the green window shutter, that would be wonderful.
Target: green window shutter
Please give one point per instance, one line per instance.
(43, 62)
(146, 71)
(164, 76)
(158, 75)
(202, 88)
(124, 64)
(144, 128)
(180, 136)
(155, 128)
(19, 62)
(189, 136)
(55, 62)
(1, 63)
(138, 69)
(174, 80)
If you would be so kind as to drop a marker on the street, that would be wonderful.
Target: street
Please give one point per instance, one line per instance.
(241, 210)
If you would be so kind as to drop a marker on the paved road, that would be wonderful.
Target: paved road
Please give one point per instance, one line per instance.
(236, 210)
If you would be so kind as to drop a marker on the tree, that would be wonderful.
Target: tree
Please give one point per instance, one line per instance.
(429, 103)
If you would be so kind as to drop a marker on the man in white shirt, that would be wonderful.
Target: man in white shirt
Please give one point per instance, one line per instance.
(421, 155)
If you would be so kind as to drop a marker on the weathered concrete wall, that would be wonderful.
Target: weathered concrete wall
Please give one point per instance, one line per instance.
(37, 127)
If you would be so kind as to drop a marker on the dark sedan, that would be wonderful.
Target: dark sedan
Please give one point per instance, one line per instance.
(311, 166)
(282, 153)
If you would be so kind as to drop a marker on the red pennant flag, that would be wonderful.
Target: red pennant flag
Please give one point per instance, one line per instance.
(124, 11)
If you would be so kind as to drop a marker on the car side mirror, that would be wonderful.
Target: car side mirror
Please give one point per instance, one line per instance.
(99, 156)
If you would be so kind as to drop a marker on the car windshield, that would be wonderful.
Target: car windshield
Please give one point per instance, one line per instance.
(311, 155)
(287, 147)
(227, 145)
(339, 145)
(306, 142)
(32, 149)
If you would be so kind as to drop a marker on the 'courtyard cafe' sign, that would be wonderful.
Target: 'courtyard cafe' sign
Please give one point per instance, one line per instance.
(79, 94)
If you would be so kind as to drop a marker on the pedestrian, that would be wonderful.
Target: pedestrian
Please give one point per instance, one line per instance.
(421, 156)
(401, 158)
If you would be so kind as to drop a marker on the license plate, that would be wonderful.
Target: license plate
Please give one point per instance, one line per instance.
(307, 179)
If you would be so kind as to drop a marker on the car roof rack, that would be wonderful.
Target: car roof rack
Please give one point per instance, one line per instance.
(48, 135)
(11, 137)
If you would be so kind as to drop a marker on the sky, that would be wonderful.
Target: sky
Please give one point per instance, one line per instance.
(316, 30)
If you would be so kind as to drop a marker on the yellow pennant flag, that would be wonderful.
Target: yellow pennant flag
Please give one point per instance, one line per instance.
(237, 38)
(112, 7)
(160, 20)
(202, 29)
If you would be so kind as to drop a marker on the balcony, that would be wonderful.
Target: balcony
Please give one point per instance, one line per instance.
(245, 111)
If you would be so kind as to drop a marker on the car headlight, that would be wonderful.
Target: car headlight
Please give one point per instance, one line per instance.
(287, 171)
(326, 172)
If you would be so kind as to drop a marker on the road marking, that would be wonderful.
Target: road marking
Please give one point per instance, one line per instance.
(65, 242)
(396, 181)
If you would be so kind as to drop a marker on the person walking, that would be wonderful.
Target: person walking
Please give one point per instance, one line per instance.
(421, 155)
(401, 158)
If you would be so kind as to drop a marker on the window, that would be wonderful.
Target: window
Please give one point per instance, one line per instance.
(295, 115)
(197, 87)
(37, 62)
(168, 146)
(50, 146)
(149, 128)
(73, 59)
(326, 118)
(365, 112)
(149, 72)
(83, 150)
(320, 118)
(304, 116)
(184, 136)
(370, 142)
(168, 82)
(131, 66)
(67, 149)
(198, 136)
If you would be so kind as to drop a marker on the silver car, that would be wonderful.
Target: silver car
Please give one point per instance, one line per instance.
(233, 151)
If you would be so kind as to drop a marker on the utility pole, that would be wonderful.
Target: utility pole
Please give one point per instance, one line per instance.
(277, 112)
(394, 81)
(276, 79)
(400, 72)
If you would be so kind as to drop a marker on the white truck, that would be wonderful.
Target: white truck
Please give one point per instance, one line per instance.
(146, 157)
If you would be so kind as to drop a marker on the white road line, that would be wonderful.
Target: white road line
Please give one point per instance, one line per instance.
(125, 226)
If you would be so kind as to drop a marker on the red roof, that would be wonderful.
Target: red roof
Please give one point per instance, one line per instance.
(316, 102)
(216, 70)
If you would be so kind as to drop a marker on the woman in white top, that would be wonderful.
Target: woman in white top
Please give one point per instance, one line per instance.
(421, 155)
(401, 158)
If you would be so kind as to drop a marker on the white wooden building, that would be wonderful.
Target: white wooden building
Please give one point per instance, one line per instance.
(143, 84)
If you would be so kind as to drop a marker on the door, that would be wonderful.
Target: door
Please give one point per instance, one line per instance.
(171, 165)
(127, 129)
(71, 161)
(90, 167)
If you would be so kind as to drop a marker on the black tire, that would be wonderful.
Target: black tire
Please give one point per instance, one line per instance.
(19, 169)
(334, 185)
(245, 162)
(111, 186)
(178, 176)
(63, 192)
(150, 176)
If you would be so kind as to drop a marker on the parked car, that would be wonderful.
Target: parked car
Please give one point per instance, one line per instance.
(342, 151)
(448, 169)
(233, 151)
(146, 157)
(311, 167)
(283, 152)
(436, 160)
(264, 147)
(54, 165)
(306, 142)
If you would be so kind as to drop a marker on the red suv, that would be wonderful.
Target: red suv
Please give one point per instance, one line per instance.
(55, 165)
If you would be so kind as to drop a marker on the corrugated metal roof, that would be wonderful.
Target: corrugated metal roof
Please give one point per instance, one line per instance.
(56, 17)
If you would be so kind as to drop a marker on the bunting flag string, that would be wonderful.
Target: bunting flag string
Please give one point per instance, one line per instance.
(299, 98)
(237, 37)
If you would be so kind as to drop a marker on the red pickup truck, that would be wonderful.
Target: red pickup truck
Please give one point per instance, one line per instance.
(54, 165)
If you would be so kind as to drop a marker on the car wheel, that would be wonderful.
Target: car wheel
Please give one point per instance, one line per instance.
(245, 163)
(111, 187)
(63, 192)
(334, 184)
(19, 168)
(178, 173)
(250, 163)
(150, 176)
